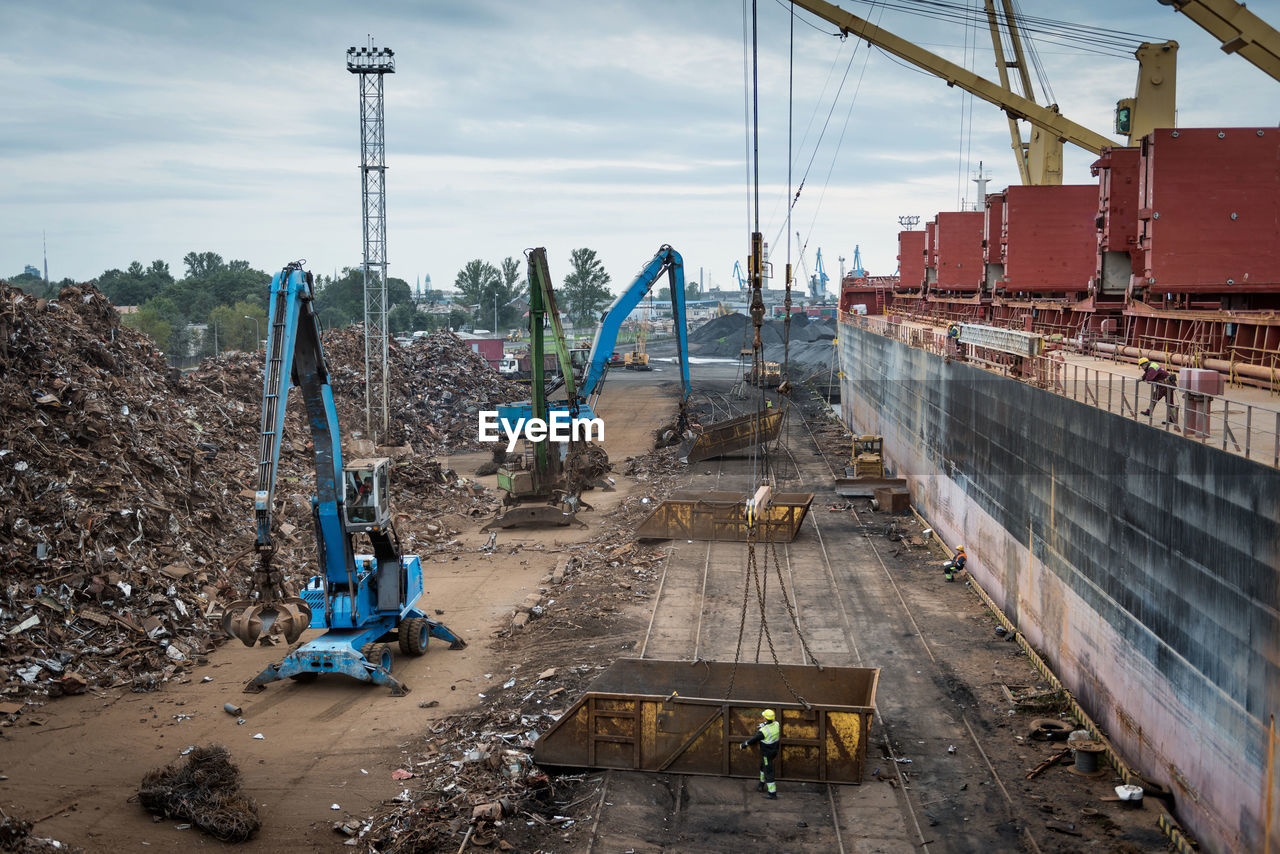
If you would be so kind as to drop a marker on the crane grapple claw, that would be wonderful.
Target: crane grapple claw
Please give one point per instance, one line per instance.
(250, 621)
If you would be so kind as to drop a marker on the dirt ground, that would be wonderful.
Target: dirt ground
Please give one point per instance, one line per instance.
(336, 743)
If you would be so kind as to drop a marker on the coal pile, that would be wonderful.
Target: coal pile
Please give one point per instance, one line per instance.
(810, 346)
(204, 790)
(126, 492)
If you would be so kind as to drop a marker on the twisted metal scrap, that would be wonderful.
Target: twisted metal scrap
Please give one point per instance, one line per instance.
(204, 790)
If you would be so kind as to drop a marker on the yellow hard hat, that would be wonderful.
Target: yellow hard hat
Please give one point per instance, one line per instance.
(768, 714)
(1143, 361)
(959, 548)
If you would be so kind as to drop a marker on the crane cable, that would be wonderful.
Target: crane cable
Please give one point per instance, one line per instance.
(966, 109)
(784, 380)
(1085, 38)
(844, 128)
(752, 579)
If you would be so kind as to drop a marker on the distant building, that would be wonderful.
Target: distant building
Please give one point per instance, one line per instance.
(488, 346)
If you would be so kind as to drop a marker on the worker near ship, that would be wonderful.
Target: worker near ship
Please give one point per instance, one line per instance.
(1161, 387)
(952, 341)
(768, 736)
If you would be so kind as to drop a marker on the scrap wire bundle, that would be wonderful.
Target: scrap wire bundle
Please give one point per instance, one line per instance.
(205, 790)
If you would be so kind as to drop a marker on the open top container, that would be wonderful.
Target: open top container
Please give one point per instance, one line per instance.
(674, 716)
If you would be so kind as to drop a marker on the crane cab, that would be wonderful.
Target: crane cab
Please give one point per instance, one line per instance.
(366, 495)
(580, 360)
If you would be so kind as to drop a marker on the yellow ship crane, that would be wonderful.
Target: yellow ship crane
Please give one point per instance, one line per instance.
(1239, 30)
(1151, 107)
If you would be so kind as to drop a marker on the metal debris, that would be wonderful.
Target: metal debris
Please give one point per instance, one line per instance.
(205, 790)
(125, 487)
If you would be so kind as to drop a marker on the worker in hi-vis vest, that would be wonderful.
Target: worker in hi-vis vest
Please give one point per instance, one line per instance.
(767, 736)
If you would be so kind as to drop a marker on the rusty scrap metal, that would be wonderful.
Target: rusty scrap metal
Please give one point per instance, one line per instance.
(1048, 763)
(123, 486)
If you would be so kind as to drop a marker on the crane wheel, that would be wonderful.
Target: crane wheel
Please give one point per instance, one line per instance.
(378, 654)
(414, 633)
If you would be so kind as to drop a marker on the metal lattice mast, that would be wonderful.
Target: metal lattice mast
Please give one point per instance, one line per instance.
(371, 64)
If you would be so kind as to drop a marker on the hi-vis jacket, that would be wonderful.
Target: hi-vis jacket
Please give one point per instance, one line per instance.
(767, 737)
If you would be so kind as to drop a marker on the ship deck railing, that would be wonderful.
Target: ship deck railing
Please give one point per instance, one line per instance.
(1243, 420)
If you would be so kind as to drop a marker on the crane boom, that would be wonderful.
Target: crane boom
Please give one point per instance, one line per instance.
(1239, 30)
(666, 260)
(1017, 106)
(296, 357)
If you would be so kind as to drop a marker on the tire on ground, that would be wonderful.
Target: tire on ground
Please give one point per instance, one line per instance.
(413, 636)
(378, 654)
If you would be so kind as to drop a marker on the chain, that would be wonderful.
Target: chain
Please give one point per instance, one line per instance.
(760, 635)
(768, 636)
(742, 623)
(791, 611)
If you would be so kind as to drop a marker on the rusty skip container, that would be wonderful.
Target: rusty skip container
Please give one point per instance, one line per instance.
(724, 437)
(722, 516)
(672, 716)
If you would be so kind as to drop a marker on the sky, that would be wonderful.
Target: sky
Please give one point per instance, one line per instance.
(139, 130)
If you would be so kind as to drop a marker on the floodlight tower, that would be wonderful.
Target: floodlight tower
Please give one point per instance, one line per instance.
(371, 64)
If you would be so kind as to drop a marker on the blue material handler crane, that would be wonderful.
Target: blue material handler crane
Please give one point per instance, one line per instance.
(363, 600)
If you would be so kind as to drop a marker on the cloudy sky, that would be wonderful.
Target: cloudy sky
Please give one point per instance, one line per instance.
(140, 130)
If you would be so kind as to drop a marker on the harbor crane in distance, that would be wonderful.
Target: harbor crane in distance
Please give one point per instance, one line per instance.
(363, 600)
(809, 281)
(820, 279)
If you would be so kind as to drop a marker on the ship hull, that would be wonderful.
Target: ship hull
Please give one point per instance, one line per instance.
(1146, 568)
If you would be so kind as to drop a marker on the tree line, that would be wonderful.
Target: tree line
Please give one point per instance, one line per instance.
(492, 293)
(229, 298)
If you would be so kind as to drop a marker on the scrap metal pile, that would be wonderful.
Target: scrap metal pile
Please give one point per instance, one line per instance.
(126, 490)
(437, 385)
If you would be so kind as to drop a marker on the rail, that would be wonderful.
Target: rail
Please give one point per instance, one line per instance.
(1234, 426)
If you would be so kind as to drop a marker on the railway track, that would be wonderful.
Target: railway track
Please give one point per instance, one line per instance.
(697, 612)
(852, 612)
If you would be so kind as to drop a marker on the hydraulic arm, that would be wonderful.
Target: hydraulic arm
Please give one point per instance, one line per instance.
(544, 477)
(667, 260)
